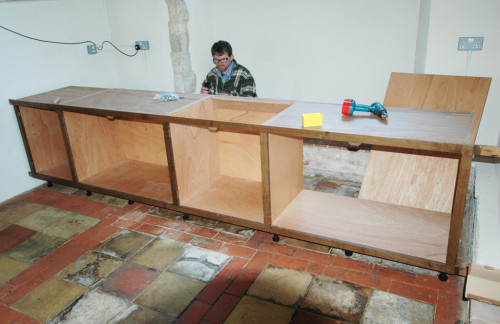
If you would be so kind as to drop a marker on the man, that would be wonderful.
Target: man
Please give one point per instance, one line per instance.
(228, 77)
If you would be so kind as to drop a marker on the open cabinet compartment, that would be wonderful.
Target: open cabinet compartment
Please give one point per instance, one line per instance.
(120, 154)
(401, 227)
(219, 169)
(46, 143)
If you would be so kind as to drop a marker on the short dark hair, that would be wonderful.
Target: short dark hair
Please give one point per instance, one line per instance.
(222, 47)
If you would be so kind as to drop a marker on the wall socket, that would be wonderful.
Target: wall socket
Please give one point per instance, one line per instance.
(91, 49)
(470, 43)
(143, 45)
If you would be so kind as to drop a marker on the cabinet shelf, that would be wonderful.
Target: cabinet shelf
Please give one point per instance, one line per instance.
(60, 170)
(135, 177)
(404, 230)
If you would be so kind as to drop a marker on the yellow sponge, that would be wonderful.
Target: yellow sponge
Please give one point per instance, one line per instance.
(312, 120)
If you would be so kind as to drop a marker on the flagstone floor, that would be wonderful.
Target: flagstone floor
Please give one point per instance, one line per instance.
(66, 257)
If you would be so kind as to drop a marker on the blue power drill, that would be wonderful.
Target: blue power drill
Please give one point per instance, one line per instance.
(376, 108)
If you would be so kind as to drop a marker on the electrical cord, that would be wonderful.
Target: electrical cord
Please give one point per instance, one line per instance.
(71, 43)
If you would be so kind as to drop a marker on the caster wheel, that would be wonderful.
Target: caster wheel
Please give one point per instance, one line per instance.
(49, 184)
(276, 238)
(130, 202)
(443, 276)
(89, 193)
(185, 216)
(348, 253)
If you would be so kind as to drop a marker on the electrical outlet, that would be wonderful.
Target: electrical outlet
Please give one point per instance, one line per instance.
(143, 45)
(91, 49)
(470, 43)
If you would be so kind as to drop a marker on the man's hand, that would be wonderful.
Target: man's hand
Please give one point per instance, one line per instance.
(204, 90)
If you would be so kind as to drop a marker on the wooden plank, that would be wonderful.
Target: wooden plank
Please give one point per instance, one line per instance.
(418, 181)
(286, 169)
(439, 92)
(403, 124)
(266, 179)
(250, 104)
(60, 170)
(44, 135)
(397, 229)
(486, 151)
(231, 196)
(239, 155)
(142, 141)
(135, 177)
(242, 116)
(61, 96)
(94, 143)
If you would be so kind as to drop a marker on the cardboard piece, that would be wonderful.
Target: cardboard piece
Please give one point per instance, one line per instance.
(483, 284)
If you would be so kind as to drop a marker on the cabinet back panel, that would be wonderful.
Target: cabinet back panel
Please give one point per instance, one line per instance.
(44, 134)
(240, 155)
(142, 141)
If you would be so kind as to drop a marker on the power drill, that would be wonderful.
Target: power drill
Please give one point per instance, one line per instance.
(376, 108)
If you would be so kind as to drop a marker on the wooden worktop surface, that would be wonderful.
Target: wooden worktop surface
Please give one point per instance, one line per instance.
(407, 124)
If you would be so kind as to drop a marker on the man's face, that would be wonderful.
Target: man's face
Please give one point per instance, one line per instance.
(223, 61)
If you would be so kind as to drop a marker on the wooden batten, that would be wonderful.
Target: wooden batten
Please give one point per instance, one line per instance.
(286, 170)
(45, 140)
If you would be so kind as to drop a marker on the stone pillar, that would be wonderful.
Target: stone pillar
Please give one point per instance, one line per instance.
(184, 77)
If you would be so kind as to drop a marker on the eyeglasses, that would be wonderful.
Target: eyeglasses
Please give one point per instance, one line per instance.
(223, 60)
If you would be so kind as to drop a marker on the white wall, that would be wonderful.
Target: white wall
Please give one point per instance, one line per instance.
(29, 67)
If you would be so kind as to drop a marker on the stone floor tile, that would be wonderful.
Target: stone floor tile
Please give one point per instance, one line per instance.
(136, 314)
(129, 281)
(18, 210)
(9, 268)
(160, 253)
(94, 307)
(336, 298)
(34, 248)
(63, 189)
(281, 285)
(388, 308)
(252, 310)
(90, 268)
(49, 299)
(198, 263)
(102, 198)
(69, 225)
(13, 235)
(170, 294)
(125, 243)
(234, 229)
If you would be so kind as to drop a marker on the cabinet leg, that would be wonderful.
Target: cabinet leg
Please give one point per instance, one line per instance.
(89, 193)
(443, 276)
(49, 184)
(348, 253)
(276, 238)
(185, 216)
(130, 202)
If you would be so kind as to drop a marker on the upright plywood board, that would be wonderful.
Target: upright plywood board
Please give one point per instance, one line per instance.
(439, 92)
(411, 180)
(142, 141)
(239, 155)
(44, 135)
(94, 143)
(286, 171)
(483, 283)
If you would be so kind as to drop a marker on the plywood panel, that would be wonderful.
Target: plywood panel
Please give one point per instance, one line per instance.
(94, 143)
(239, 155)
(231, 196)
(411, 180)
(142, 141)
(196, 157)
(242, 116)
(249, 104)
(137, 178)
(439, 92)
(397, 229)
(286, 171)
(45, 140)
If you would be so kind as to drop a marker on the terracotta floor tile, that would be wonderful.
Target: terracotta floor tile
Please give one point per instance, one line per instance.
(414, 292)
(21, 291)
(336, 272)
(8, 315)
(150, 229)
(221, 310)
(305, 245)
(303, 317)
(201, 231)
(289, 262)
(369, 280)
(194, 313)
(13, 235)
(324, 258)
(109, 200)
(178, 236)
(230, 238)
(235, 230)
(316, 268)
(258, 238)
(448, 307)
(352, 264)
(206, 243)
(34, 248)
(453, 283)
(273, 247)
(394, 274)
(129, 281)
(236, 250)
